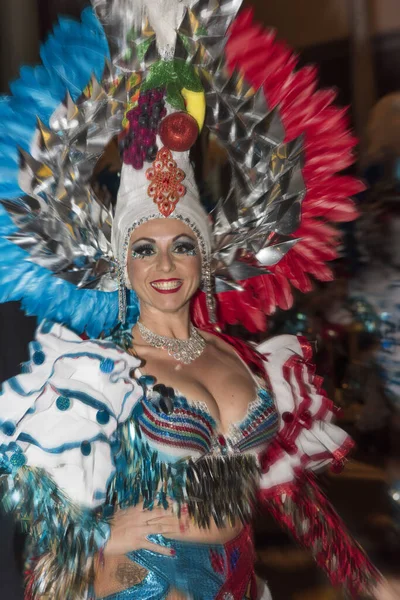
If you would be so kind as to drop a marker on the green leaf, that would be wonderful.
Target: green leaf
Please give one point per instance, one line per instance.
(187, 76)
(160, 74)
(142, 48)
(174, 96)
(174, 72)
(185, 42)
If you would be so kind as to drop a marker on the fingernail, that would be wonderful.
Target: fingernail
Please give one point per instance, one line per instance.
(173, 552)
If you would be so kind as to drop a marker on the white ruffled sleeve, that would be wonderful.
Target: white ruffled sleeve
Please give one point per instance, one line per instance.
(308, 441)
(61, 413)
(58, 422)
(307, 438)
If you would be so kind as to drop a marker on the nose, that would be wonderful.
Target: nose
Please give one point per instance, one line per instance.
(165, 262)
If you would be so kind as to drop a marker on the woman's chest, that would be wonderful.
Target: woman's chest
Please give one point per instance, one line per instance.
(179, 428)
(222, 385)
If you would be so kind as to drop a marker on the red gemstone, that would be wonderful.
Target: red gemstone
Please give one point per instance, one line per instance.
(221, 441)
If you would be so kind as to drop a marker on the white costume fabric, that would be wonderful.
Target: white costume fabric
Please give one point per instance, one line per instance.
(63, 411)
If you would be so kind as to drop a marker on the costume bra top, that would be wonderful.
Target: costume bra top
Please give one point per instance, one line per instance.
(178, 428)
(179, 453)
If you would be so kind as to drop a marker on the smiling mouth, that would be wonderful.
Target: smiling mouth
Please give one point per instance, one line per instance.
(167, 286)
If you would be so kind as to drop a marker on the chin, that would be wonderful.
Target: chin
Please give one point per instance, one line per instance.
(169, 303)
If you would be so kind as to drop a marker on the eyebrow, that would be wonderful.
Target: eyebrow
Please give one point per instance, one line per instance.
(152, 241)
(144, 239)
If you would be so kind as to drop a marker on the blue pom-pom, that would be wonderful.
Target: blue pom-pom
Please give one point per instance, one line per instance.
(38, 357)
(86, 448)
(102, 417)
(107, 365)
(8, 428)
(63, 403)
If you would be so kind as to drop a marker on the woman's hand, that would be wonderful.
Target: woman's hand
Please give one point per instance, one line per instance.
(130, 528)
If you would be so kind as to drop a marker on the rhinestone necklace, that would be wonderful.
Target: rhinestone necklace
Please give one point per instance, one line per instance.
(184, 351)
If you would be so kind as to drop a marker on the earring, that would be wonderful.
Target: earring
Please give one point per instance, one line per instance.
(208, 289)
(121, 295)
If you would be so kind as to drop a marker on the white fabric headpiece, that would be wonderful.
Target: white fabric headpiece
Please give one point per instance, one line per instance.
(134, 207)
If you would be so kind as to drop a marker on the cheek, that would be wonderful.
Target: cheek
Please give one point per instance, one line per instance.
(193, 269)
(136, 272)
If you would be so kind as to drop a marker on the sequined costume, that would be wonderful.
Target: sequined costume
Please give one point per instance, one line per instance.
(127, 449)
(82, 432)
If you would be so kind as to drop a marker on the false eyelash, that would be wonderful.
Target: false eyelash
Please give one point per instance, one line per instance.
(137, 255)
(139, 252)
(190, 249)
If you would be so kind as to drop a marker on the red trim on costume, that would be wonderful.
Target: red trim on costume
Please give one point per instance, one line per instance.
(301, 417)
(240, 556)
(312, 521)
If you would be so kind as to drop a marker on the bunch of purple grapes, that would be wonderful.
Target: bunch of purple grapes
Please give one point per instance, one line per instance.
(144, 120)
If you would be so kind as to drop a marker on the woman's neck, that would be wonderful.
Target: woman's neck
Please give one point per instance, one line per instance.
(173, 325)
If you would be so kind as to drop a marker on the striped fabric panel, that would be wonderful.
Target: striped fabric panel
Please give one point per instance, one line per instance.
(261, 423)
(261, 432)
(191, 428)
(185, 431)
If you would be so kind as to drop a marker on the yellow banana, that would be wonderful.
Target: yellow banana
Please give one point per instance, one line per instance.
(195, 105)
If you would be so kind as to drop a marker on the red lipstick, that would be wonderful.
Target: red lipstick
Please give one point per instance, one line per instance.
(166, 286)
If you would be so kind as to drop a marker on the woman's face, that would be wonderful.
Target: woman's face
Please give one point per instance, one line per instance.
(164, 264)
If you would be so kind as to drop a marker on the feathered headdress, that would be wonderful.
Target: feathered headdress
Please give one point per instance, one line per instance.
(285, 141)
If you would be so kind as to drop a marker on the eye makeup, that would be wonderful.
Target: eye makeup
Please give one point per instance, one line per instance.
(183, 245)
(142, 249)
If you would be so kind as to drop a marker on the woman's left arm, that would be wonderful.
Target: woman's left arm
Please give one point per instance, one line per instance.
(312, 521)
(307, 442)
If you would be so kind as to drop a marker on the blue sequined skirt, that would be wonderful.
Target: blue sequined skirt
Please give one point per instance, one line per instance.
(201, 571)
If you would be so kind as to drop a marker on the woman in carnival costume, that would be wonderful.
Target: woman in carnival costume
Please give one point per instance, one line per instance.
(139, 437)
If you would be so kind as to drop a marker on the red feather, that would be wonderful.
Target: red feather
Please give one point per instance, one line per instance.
(329, 148)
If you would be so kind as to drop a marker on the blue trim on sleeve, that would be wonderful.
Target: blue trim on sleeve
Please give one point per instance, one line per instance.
(86, 399)
(28, 439)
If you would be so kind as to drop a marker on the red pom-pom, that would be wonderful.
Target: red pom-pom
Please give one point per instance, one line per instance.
(287, 417)
(178, 131)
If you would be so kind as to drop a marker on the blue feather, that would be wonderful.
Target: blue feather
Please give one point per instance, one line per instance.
(73, 53)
